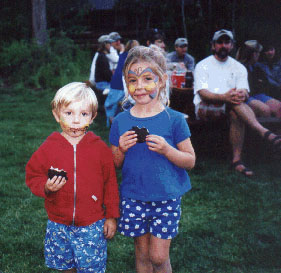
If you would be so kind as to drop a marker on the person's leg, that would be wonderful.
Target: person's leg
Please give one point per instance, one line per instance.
(143, 263)
(275, 107)
(260, 108)
(159, 255)
(246, 114)
(69, 271)
(236, 138)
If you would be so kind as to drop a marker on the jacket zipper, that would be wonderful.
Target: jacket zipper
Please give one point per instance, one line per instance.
(74, 205)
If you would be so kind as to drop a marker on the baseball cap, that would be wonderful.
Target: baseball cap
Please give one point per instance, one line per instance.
(115, 36)
(104, 39)
(254, 44)
(222, 32)
(181, 42)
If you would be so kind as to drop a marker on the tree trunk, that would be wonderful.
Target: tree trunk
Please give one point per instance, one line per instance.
(183, 19)
(233, 16)
(39, 21)
(210, 18)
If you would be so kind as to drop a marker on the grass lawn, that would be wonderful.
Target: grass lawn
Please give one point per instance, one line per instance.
(229, 223)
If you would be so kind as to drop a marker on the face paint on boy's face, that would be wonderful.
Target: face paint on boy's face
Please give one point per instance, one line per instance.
(148, 79)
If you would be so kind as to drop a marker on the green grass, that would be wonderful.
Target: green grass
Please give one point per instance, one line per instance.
(229, 223)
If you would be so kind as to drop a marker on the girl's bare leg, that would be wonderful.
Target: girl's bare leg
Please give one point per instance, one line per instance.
(143, 264)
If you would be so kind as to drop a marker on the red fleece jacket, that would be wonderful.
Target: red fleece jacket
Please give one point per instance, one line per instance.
(91, 191)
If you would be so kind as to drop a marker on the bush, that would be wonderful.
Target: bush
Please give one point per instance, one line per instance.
(58, 62)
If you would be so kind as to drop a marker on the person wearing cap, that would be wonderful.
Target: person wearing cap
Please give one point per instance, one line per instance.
(101, 40)
(103, 73)
(221, 88)
(117, 45)
(180, 54)
(115, 49)
(262, 104)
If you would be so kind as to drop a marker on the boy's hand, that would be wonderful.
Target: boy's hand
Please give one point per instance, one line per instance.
(109, 228)
(54, 184)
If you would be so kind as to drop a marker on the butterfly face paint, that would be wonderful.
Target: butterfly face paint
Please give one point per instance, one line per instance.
(146, 78)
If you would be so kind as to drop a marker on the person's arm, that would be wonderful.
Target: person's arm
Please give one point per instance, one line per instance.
(190, 63)
(110, 192)
(36, 177)
(126, 141)
(183, 157)
(232, 96)
(113, 56)
(93, 69)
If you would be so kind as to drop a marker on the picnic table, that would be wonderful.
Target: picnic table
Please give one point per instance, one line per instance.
(181, 99)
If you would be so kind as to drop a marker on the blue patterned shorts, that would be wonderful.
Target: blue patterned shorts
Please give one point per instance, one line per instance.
(83, 248)
(160, 218)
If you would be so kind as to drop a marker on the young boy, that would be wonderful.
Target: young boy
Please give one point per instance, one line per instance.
(82, 199)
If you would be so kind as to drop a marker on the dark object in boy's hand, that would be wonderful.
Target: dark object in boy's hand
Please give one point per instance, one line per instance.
(56, 172)
(141, 133)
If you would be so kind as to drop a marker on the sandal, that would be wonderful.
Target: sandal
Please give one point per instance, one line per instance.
(245, 171)
(275, 143)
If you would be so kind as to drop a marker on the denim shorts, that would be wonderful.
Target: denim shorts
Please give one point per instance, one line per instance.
(83, 248)
(160, 218)
(261, 97)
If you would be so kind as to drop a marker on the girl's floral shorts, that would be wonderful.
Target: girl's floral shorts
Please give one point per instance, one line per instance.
(160, 218)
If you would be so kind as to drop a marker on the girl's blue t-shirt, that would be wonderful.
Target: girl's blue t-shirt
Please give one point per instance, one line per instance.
(147, 175)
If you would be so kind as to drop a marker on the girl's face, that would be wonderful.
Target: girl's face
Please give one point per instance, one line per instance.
(143, 84)
(74, 120)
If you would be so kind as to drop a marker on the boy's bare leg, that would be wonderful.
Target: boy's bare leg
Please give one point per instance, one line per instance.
(73, 270)
(143, 264)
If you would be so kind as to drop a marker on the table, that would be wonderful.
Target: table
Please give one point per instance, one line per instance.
(181, 99)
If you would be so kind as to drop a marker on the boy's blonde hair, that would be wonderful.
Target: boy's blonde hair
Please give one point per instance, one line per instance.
(75, 91)
(152, 55)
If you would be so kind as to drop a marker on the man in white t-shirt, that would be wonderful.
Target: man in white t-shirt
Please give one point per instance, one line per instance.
(221, 87)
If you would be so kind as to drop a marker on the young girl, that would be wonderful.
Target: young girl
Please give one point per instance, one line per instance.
(153, 167)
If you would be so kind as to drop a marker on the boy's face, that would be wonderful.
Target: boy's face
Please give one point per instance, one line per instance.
(74, 120)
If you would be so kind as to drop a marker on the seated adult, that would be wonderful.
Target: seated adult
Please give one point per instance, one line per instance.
(221, 84)
(180, 54)
(262, 104)
(116, 48)
(116, 93)
(270, 63)
(103, 73)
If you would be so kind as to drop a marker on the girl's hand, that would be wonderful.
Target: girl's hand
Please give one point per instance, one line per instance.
(54, 184)
(127, 140)
(157, 144)
(109, 228)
